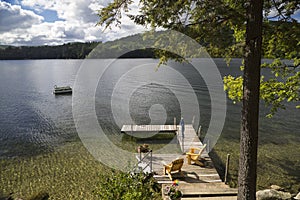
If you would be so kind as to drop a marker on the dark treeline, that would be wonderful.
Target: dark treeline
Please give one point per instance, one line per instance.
(73, 51)
(127, 47)
(66, 51)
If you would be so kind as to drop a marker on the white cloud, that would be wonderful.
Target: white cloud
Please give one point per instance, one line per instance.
(52, 34)
(77, 20)
(69, 10)
(14, 17)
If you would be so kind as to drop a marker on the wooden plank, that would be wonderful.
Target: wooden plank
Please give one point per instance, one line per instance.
(205, 189)
(210, 198)
(210, 192)
(190, 138)
(197, 180)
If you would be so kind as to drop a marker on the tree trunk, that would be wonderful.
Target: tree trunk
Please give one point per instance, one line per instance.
(250, 110)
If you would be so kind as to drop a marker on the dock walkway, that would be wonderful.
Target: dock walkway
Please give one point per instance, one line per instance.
(197, 182)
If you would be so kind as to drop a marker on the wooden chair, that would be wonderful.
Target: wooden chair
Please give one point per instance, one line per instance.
(194, 155)
(174, 166)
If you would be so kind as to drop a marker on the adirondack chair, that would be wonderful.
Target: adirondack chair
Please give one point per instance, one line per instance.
(174, 166)
(195, 155)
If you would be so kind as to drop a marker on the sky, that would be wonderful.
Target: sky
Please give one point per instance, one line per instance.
(54, 22)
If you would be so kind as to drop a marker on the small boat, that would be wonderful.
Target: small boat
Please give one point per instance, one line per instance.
(62, 90)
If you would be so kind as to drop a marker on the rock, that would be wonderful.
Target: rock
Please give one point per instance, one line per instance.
(276, 187)
(271, 194)
(297, 196)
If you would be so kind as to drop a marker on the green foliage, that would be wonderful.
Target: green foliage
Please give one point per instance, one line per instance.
(173, 192)
(282, 87)
(281, 40)
(208, 24)
(126, 186)
(275, 93)
(113, 11)
(234, 86)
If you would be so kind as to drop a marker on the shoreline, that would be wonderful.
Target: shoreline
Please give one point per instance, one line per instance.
(71, 171)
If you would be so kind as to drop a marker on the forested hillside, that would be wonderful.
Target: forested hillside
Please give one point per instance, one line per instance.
(65, 51)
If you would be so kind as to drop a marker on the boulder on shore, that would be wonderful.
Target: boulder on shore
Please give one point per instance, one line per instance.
(271, 194)
(297, 196)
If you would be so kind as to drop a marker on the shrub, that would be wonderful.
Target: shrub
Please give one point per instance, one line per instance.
(126, 186)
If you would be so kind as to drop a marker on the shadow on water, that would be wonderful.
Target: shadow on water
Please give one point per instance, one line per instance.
(140, 138)
(218, 164)
(293, 171)
(2, 197)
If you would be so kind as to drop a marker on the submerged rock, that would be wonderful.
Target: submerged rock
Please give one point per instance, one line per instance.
(271, 194)
(276, 187)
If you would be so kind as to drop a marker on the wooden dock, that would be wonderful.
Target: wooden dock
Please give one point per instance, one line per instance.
(197, 182)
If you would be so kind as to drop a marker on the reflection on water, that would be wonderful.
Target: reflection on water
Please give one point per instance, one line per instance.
(33, 120)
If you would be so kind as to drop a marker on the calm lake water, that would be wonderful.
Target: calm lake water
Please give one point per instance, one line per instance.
(34, 121)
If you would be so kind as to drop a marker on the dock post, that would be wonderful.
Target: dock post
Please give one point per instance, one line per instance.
(193, 121)
(227, 168)
(199, 131)
(182, 144)
(140, 155)
(151, 161)
(208, 146)
(175, 123)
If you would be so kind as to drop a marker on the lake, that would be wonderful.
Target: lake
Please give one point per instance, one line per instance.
(33, 121)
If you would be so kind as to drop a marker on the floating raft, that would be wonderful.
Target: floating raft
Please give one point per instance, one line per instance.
(62, 90)
(148, 128)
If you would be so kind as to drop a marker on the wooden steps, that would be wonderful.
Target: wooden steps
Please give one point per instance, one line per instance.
(211, 198)
(207, 191)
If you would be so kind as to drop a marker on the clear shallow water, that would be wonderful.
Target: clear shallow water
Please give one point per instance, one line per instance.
(33, 120)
